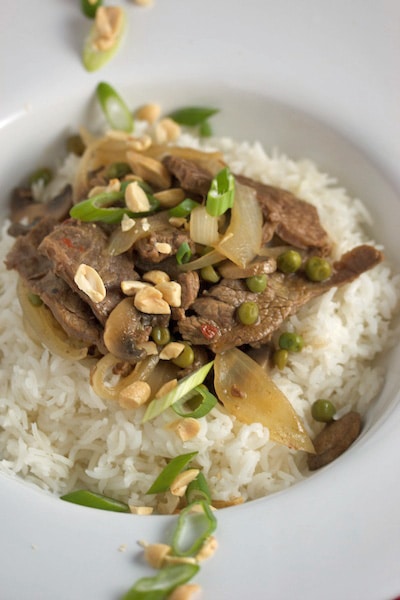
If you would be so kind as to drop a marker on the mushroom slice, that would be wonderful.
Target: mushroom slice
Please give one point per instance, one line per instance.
(125, 330)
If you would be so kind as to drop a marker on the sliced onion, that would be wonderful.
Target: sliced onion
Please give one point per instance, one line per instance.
(121, 241)
(203, 227)
(248, 393)
(242, 240)
(102, 372)
(41, 326)
(211, 258)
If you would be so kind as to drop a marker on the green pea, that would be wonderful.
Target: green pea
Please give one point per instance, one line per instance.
(75, 145)
(160, 335)
(318, 268)
(44, 174)
(247, 313)
(280, 358)
(209, 274)
(292, 342)
(257, 283)
(323, 411)
(289, 261)
(185, 359)
(117, 170)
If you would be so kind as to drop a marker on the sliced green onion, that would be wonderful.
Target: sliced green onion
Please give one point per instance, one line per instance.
(205, 129)
(183, 209)
(192, 115)
(158, 405)
(94, 500)
(99, 208)
(168, 474)
(116, 111)
(183, 254)
(92, 57)
(192, 529)
(89, 8)
(221, 194)
(200, 397)
(198, 490)
(163, 583)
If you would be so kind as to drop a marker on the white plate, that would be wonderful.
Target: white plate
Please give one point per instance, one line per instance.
(317, 79)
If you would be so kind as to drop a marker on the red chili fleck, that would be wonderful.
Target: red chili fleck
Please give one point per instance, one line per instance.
(209, 331)
(67, 242)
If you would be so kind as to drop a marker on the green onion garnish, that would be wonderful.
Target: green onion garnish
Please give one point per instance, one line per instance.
(221, 194)
(183, 209)
(168, 474)
(192, 529)
(89, 8)
(205, 129)
(116, 111)
(158, 405)
(200, 397)
(163, 583)
(198, 490)
(94, 500)
(192, 115)
(183, 254)
(100, 208)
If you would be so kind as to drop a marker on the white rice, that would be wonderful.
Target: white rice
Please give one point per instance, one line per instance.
(56, 433)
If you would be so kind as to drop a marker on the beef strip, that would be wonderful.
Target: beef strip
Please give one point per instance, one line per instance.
(292, 219)
(215, 322)
(190, 287)
(71, 312)
(146, 248)
(193, 178)
(73, 243)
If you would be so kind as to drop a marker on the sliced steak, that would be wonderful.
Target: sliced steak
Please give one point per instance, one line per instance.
(71, 312)
(215, 322)
(73, 243)
(149, 251)
(193, 178)
(190, 287)
(292, 219)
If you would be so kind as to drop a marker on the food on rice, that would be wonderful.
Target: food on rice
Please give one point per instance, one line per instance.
(132, 299)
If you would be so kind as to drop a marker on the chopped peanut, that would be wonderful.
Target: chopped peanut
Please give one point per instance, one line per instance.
(172, 350)
(89, 281)
(109, 21)
(136, 198)
(166, 130)
(186, 428)
(149, 112)
(130, 287)
(150, 301)
(208, 549)
(135, 394)
(181, 481)
(163, 247)
(155, 554)
(156, 276)
(171, 292)
(141, 510)
(127, 223)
